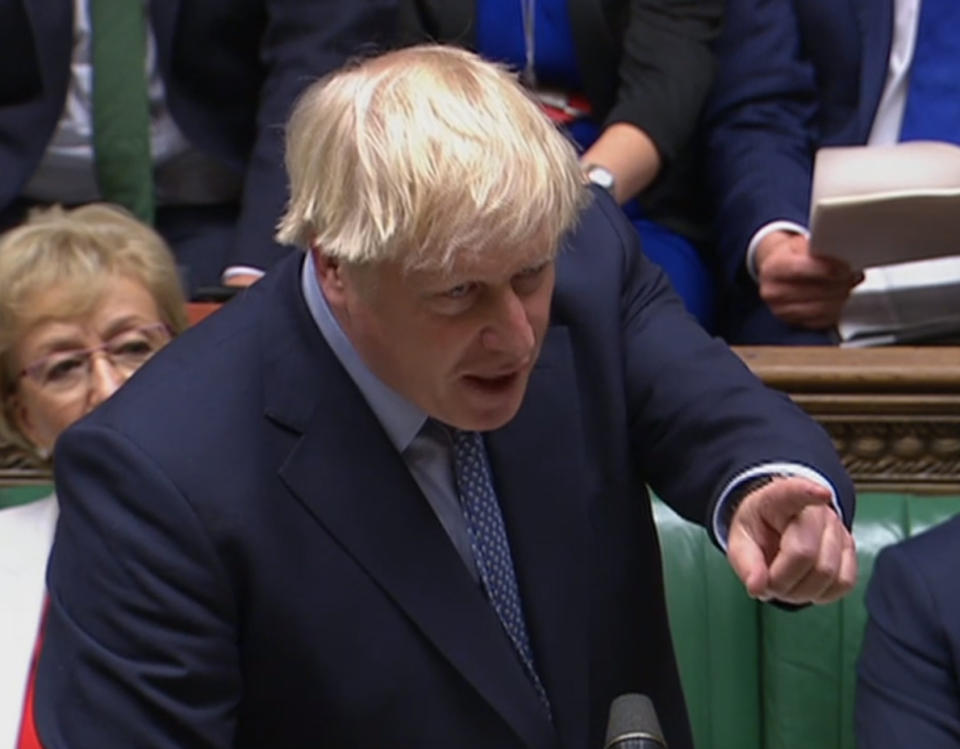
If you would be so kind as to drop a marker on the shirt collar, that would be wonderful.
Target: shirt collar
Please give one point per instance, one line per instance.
(400, 418)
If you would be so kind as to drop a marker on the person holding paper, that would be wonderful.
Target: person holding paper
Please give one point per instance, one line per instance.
(394, 495)
(795, 76)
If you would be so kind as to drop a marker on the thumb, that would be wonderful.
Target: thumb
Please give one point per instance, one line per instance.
(747, 559)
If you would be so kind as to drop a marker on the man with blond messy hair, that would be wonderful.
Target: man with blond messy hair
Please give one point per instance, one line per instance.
(394, 496)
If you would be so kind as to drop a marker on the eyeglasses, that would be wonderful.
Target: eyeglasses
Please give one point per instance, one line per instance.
(66, 372)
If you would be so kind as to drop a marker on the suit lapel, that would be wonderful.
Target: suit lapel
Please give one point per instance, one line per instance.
(875, 18)
(378, 514)
(538, 465)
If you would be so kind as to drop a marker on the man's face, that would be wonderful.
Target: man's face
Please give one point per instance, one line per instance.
(458, 344)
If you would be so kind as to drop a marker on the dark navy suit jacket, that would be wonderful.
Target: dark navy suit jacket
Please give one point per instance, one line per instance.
(243, 559)
(231, 69)
(793, 76)
(908, 687)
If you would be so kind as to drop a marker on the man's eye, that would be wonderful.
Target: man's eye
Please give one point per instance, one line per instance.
(529, 279)
(460, 291)
(532, 271)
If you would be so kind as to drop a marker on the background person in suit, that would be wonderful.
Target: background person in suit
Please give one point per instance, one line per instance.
(792, 77)
(395, 494)
(908, 675)
(627, 80)
(223, 75)
(70, 282)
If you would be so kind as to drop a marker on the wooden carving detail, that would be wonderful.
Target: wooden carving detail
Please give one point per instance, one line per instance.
(18, 468)
(898, 449)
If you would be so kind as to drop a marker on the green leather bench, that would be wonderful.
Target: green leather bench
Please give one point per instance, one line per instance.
(11, 496)
(759, 677)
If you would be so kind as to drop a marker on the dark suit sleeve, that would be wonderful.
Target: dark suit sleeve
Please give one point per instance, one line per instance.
(666, 68)
(760, 126)
(698, 416)
(908, 687)
(140, 648)
(302, 41)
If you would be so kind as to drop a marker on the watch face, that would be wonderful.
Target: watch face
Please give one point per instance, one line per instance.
(601, 177)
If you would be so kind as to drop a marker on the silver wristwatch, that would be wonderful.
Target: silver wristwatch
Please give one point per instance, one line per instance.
(599, 176)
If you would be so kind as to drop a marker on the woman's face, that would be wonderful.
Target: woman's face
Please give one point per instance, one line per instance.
(71, 364)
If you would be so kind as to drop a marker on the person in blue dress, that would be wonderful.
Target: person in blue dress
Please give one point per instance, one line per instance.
(627, 79)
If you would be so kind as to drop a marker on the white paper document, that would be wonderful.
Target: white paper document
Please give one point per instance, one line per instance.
(893, 211)
(899, 303)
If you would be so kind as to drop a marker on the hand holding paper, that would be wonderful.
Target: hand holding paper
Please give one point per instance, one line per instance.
(800, 288)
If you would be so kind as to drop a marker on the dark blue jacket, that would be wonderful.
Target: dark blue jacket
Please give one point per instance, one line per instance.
(243, 558)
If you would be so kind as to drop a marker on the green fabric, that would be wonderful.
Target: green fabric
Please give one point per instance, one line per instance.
(711, 661)
(759, 676)
(121, 108)
(20, 495)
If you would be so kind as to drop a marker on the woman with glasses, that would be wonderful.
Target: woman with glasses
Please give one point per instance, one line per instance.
(86, 297)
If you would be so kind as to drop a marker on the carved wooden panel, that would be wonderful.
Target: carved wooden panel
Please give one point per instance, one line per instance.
(893, 413)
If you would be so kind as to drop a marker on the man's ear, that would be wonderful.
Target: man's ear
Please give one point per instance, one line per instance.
(329, 276)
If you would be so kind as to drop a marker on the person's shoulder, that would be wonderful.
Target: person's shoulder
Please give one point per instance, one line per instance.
(602, 240)
(930, 556)
(213, 370)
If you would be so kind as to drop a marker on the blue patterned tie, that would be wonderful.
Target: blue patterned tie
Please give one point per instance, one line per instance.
(488, 539)
(933, 100)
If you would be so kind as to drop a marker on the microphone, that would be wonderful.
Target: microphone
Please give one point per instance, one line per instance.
(633, 724)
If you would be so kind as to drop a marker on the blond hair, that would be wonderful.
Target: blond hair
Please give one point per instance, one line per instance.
(422, 154)
(75, 251)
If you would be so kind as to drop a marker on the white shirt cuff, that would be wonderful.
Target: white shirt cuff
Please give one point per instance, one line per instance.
(240, 270)
(761, 233)
(721, 529)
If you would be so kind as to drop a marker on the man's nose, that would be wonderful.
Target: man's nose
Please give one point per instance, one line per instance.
(105, 378)
(511, 331)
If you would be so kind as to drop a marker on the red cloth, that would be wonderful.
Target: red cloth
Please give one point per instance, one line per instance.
(28, 729)
(563, 108)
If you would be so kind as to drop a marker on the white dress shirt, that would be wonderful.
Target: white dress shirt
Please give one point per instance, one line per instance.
(26, 533)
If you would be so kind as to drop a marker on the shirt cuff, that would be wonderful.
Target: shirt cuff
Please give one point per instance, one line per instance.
(761, 233)
(721, 528)
(240, 270)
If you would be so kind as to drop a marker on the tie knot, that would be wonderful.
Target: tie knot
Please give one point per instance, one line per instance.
(463, 436)
(468, 451)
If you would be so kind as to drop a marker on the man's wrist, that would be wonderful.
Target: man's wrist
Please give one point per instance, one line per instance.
(733, 494)
(762, 233)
